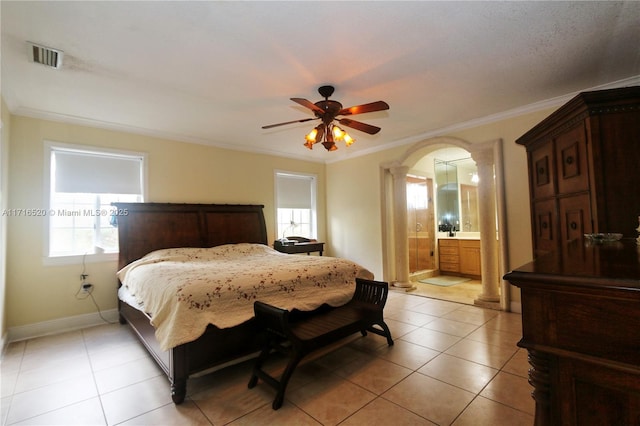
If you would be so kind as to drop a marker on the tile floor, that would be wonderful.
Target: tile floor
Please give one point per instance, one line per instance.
(451, 364)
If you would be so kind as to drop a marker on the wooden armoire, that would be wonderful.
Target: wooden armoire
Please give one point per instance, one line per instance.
(584, 168)
(580, 299)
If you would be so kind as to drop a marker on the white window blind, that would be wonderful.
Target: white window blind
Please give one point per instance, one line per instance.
(296, 205)
(295, 191)
(85, 172)
(84, 181)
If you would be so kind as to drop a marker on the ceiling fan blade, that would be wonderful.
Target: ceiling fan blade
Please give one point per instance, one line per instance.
(363, 127)
(288, 122)
(308, 104)
(361, 109)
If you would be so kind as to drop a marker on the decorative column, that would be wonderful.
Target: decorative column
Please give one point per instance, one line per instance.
(487, 218)
(401, 239)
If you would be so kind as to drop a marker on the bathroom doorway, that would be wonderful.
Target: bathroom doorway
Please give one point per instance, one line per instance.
(443, 226)
(491, 252)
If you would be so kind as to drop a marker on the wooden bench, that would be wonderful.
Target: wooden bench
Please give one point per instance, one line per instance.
(296, 334)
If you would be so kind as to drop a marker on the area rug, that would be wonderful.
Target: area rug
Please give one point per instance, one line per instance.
(445, 280)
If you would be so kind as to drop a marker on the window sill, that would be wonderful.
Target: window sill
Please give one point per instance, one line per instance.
(79, 259)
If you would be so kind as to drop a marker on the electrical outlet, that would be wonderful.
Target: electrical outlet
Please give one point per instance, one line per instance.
(87, 288)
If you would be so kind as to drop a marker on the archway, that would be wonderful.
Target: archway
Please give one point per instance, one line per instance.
(488, 158)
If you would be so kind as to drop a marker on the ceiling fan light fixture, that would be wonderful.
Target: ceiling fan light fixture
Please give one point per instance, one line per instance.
(348, 140)
(338, 133)
(311, 136)
(341, 135)
(330, 145)
(314, 136)
(320, 132)
(329, 137)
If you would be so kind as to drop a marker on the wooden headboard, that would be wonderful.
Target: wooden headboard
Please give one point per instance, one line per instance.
(144, 227)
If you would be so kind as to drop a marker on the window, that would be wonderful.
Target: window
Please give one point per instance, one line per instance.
(83, 182)
(296, 205)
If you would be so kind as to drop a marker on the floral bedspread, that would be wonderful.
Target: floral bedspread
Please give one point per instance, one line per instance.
(185, 289)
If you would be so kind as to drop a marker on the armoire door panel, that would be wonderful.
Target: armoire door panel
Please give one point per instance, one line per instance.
(571, 157)
(575, 217)
(544, 223)
(542, 177)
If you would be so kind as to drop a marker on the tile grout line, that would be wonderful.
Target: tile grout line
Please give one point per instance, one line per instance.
(93, 376)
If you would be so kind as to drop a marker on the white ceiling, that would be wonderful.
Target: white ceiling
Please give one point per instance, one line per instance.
(215, 72)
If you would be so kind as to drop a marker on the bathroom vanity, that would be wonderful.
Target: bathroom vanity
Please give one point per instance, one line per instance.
(460, 256)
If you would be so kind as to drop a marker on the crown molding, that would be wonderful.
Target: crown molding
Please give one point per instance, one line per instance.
(514, 112)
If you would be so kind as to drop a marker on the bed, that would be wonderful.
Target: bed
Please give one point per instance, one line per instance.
(151, 231)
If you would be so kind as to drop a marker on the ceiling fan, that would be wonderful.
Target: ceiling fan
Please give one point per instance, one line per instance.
(327, 110)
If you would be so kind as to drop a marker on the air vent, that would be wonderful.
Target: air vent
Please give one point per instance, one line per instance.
(45, 55)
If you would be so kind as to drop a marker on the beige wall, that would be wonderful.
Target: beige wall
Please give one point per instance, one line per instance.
(5, 121)
(177, 172)
(354, 210)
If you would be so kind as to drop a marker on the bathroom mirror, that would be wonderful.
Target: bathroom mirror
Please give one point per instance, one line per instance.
(446, 174)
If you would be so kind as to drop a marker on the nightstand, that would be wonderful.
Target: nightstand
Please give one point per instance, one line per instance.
(299, 247)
